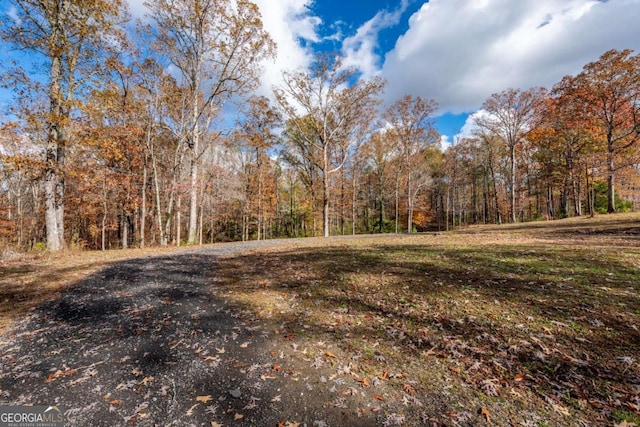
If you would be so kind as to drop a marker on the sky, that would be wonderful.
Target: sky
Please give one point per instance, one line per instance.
(457, 52)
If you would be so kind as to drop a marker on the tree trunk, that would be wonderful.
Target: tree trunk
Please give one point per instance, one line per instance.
(325, 195)
(512, 152)
(179, 221)
(409, 202)
(611, 193)
(143, 206)
(397, 200)
(54, 181)
(193, 194)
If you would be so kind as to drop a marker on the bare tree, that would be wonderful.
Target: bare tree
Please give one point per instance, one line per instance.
(218, 46)
(512, 114)
(410, 122)
(324, 109)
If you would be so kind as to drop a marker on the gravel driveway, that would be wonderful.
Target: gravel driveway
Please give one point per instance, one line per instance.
(150, 342)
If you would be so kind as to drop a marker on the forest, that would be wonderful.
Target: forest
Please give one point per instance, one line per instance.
(127, 135)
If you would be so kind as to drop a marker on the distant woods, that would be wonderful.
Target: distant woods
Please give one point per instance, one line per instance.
(119, 138)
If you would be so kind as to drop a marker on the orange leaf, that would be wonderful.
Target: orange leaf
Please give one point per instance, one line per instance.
(408, 388)
(365, 382)
(377, 396)
(59, 374)
(204, 399)
(329, 354)
(486, 414)
(518, 378)
(276, 367)
(385, 375)
(146, 380)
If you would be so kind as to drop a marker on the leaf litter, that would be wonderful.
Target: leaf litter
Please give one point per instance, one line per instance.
(482, 326)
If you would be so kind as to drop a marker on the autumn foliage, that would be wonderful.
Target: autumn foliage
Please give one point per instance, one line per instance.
(138, 155)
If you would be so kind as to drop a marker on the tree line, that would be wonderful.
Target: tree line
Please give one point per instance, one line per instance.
(121, 137)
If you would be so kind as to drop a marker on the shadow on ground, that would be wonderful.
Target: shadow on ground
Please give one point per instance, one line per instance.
(552, 329)
(148, 342)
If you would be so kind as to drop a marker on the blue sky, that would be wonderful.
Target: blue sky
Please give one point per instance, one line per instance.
(457, 52)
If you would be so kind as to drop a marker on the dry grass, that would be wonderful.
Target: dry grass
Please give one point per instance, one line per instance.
(539, 319)
(534, 323)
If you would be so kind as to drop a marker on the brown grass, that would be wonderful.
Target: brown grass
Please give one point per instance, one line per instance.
(541, 318)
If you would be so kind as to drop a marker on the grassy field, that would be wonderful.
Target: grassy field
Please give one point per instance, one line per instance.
(533, 324)
(528, 324)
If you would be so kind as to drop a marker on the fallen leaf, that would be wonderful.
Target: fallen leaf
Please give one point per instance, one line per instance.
(377, 396)
(385, 375)
(350, 392)
(115, 402)
(486, 414)
(276, 367)
(215, 424)
(365, 382)
(625, 423)
(409, 389)
(244, 344)
(146, 380)
(277, 398)
(560, 409)
(190, 410)
(290, 424)
(238, 416)
(59, 374)
(204, 399)
(220, 350)
(518, 378)
(329, 354)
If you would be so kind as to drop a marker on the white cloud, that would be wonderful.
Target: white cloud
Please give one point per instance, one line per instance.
(445, 143)
(359, 50)
(288, 22)
(467, 130)
(137, 8)
(459, 52)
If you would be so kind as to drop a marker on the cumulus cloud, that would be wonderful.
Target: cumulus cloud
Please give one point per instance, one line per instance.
(359, 50)
(291, 25)
(459, 52)
(469, 128)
